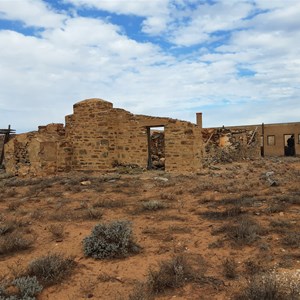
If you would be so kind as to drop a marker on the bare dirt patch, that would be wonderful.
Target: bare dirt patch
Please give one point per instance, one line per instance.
(228, 216)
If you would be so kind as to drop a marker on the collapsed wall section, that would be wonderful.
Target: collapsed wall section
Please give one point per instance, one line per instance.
(227, 145)
(34, 152)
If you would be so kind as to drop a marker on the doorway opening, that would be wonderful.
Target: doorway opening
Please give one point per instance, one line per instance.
(156, 147)
(289, 145)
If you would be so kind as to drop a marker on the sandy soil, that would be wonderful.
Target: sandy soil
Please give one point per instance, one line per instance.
(190, 223)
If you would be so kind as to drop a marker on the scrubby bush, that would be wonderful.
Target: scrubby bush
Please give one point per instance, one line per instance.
(291, 239)
(24, 288)
(269, 286)
(92, 214)
(110, 240)
(13, 242)
(51, 269)
(230, 268)
(107, 203)
(246, 231)
(222, 215)
(57, 231)
(171, 274)
(153, 205)
(253, 267)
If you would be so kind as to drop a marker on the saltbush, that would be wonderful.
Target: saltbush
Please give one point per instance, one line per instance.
(26, 288)
(110, 241)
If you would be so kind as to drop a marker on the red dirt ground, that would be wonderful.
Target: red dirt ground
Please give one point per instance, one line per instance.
(179, 228)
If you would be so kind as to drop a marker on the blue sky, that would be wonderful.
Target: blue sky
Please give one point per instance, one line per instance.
(238, 62)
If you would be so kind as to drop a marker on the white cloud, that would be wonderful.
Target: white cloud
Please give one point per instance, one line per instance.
(137, 7)
(155, 11)
(31, 12)
(82, 57)
(154, 25)
(207, 19)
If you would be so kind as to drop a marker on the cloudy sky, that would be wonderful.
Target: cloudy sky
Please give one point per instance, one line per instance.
(237, 61)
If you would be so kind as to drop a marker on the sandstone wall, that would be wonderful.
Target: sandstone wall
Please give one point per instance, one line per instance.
(278, 130)
(34, 152)
(183, 147)
(97, 137)
(91, 135)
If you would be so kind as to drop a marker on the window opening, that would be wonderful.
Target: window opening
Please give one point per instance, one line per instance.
(271, 140)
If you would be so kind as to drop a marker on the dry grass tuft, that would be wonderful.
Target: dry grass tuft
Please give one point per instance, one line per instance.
(230, 268)
(171, 274)
(270, 286)
(51, 268)
(57, 231)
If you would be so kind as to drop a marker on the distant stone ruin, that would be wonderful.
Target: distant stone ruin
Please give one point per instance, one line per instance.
(99, 137)
(227, 145)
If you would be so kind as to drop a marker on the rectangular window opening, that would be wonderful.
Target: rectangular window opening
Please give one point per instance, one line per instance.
(271, 140)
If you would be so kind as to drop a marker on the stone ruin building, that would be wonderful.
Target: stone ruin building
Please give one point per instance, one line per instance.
(98, 136)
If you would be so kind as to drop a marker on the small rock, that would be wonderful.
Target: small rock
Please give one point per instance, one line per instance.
(161, 179)
(90, 295)
(87, 182)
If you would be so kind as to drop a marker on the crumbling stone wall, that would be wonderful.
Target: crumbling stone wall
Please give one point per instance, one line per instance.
(97, 137)
(34, 152)
(227, 145)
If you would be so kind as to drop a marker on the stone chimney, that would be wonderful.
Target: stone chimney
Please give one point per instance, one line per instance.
(199, 119)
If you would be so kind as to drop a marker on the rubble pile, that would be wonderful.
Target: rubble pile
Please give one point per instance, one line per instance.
(228, 145)
(157, 148)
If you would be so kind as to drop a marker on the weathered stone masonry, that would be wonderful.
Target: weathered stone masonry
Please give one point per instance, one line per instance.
(96, 137)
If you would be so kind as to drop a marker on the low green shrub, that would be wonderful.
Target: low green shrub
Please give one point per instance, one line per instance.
(22, 288)
(110, 240)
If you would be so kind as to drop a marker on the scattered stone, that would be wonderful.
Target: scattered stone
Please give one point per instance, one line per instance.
(87, 182)
(161, 179)
(271, 181)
